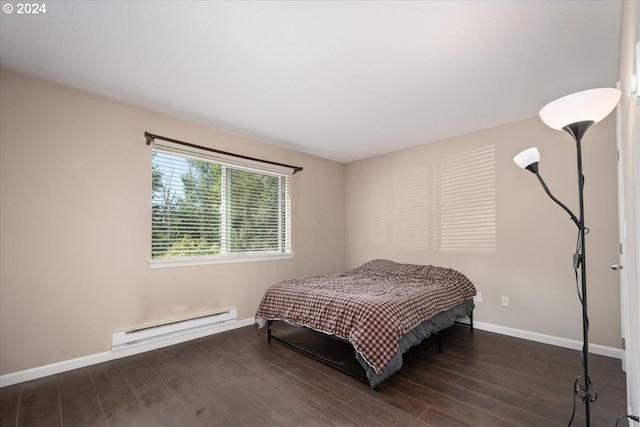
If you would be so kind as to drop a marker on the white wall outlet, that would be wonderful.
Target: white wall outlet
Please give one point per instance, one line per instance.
(505, 301)
(478, 297)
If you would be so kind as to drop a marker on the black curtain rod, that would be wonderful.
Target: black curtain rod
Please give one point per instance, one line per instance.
(150, 137)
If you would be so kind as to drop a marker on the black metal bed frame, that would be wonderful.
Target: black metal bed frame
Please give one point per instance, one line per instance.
(335, 364)
(470, 324)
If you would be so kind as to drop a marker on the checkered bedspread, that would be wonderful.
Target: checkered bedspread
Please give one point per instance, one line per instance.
(371, 306)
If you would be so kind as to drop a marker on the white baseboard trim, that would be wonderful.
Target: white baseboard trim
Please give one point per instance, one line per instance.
(81, 362)
(601, 350)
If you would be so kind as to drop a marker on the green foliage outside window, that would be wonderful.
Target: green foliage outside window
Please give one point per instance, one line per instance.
(203, 208)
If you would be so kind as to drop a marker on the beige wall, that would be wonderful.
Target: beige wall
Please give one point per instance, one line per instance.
(535, 238)
(75, 225)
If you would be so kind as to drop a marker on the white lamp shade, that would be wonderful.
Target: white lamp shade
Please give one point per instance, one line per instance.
(527, 157)
(589, 105)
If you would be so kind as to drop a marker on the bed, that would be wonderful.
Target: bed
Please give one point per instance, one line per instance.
(382, 308)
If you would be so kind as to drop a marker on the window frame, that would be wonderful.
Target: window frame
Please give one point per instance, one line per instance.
(249, 165)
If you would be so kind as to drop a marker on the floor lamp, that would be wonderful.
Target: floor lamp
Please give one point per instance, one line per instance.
(575, 114)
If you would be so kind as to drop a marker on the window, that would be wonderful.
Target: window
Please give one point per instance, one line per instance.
(207, 210)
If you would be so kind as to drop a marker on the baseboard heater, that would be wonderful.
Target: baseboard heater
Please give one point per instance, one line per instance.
(165, 331)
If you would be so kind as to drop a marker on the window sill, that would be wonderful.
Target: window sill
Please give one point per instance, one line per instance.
(187, 262)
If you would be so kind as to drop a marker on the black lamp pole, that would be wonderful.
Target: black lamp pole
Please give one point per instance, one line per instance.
(577, 130)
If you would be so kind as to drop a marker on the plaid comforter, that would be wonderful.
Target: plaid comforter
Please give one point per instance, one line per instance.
(371, 306)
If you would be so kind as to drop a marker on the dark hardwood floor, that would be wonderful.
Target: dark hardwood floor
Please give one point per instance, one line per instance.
(238, 379)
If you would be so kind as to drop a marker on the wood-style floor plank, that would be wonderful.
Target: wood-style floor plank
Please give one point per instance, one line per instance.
(237, 378)
(79, 402)
(9, 402)
(39, 403)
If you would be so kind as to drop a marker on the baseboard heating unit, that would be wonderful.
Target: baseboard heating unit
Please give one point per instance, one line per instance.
(166, 331)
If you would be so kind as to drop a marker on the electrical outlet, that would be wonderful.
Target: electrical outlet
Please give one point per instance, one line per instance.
(505, 301)
(478, 297)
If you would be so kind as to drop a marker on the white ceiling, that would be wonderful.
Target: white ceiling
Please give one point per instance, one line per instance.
(340, 80)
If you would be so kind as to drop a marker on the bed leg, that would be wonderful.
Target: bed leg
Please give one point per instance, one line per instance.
(439, 342)
(269, 322)
(471, 320)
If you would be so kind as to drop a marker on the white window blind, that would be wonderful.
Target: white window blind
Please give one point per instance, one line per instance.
(204, 208)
